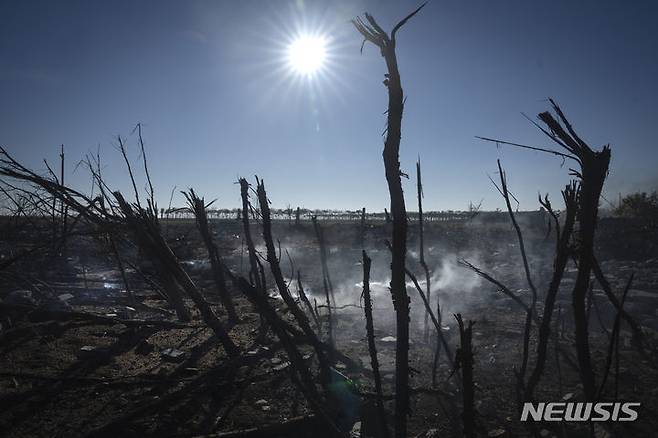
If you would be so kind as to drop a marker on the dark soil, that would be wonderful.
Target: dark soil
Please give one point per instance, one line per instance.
(64, 374)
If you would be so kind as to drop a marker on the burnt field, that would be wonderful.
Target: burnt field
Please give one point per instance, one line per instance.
(121, 318)
(87, 351)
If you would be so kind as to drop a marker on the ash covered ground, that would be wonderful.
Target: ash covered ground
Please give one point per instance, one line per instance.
(73, 364)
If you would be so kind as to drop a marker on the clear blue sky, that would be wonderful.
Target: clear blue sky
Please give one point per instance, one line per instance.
(209, 81)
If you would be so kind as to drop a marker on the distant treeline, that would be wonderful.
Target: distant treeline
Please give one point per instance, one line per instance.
(355, 215)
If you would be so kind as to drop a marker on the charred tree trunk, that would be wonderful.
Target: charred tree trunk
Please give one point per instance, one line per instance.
(254, 272)
(54, 223)
(330, 319)
(465, 356)
(302, 376)
(64, 212)
(531, 312)
(148, 244)
(362, 228)
(207, 313)
(428, 309)
(304, 299)
(198, 208)
(613, 346)
(148, 233)
(372, 32)
(173, 292)
(428, 290)
(592, 174)
(399, 240)
(326, 279)
(562, 253)
(372, 348)
(122, 270)
(437, 352)
(273, 261)
(605, 285)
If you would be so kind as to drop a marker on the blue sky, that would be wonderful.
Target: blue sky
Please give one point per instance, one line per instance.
(210, 83)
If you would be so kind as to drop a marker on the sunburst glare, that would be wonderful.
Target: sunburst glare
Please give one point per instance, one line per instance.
(301, 58)
(307, 54)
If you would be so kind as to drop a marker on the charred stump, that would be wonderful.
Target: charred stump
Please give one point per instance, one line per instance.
(465, 363)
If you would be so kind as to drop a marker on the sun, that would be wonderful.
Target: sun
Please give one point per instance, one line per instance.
(307, 54)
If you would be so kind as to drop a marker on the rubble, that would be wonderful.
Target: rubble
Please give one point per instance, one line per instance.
(172, 355)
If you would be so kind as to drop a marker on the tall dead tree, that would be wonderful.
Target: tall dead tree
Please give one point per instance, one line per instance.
(372, 32)
(593, 170)
(592, 174)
